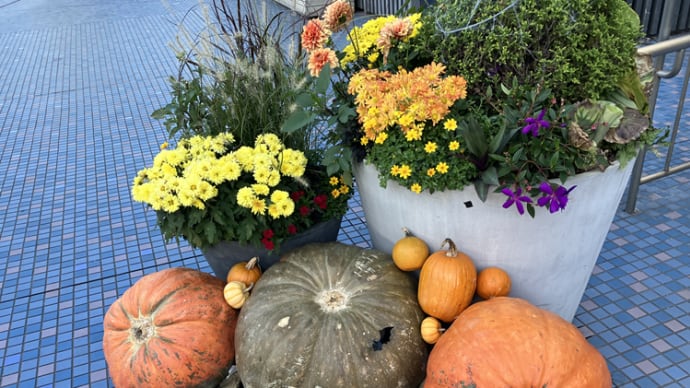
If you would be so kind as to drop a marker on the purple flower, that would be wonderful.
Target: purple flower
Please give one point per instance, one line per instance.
(533, 124)
(516, 197)
(555, 199)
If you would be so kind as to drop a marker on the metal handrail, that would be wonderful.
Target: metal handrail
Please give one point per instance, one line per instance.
(658, 51)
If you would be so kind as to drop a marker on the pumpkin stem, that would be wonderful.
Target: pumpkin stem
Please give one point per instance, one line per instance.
(141, 330)
(407, 232)
(253, 262)
(452, 249)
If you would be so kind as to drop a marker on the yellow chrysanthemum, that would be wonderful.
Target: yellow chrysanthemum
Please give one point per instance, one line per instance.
(258, 206)
(273, 178)
(245, 197)
(279, 196)
(245, 157)
(260, 189)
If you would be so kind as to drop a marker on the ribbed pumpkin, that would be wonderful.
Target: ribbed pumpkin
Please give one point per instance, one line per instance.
(447, 283)
(508, 342)
(321, 317)
(247, 272)
(171, 328)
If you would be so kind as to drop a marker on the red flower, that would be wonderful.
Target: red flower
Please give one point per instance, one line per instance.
(292, 229)
(296, 195)
(268, 234)
(304, 211)
(268, 244)
(321, 201)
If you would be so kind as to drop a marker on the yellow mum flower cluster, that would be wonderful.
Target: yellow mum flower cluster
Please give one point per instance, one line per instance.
(407, 98)
(189, 175)
(364, 40)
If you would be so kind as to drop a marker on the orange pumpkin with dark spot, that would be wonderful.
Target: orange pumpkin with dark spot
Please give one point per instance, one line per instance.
(171, 328)
(508, 342)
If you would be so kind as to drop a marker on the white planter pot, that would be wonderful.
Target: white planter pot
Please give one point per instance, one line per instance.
(549, 258)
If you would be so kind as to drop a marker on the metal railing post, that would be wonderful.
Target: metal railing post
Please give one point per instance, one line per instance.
(667, 18)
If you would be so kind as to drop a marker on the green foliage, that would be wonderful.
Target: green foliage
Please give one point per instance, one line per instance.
(577, 48)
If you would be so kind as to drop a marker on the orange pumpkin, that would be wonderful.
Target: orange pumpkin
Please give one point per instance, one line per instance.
(508, 342)
(410, 252)
(492, 282)
(447, 283)
(171, 328)
(247, 272)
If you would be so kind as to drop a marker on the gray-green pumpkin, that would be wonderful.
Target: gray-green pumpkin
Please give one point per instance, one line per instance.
(316, 319)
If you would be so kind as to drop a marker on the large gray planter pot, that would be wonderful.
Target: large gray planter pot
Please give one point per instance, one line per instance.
(550, 258)
(222, 256)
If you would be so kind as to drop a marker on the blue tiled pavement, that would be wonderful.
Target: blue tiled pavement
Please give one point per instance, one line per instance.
(78, 80)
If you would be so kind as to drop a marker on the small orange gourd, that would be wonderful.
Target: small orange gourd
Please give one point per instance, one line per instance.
(493, 282)
(431, 330)
(447, 283)
(236, 293)
(410, 252)
(247, 272)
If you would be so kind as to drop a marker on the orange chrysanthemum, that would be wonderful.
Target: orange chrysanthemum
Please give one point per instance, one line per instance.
(395, 30)
(314, 35)
(338, 15)
(319, 58)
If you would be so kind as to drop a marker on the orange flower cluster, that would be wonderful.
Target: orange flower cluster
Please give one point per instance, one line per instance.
(407, 98)
(317, 32)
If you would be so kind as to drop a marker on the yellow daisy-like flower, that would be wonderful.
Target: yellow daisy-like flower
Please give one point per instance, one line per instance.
(164, 145)
(245, 197)
(334, 180)
(431, 172)
(395, 170)
(268, 143)
(170, 204)
(364, 140)
(416, 188)
(335, 193)
(430, 147)
(381, 137)
(442, 167)
(413, 134)
(454, 145)
(405, 171)
(344, 189)
(262, 175)
(450, 125)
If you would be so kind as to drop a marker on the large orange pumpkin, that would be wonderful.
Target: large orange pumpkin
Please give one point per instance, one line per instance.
(171, 328)
(508, 342)
(447, 283)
